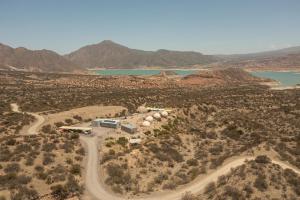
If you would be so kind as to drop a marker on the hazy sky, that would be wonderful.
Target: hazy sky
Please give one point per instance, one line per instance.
(211, 26)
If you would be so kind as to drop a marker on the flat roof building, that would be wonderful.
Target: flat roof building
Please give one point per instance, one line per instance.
(129, 128)
(106, 123)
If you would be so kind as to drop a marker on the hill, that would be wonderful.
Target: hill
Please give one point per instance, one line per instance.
(38, 60)
(112, 55)
(264, 54)
(220, 77)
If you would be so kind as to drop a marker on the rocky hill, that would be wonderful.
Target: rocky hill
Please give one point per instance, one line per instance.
(38, 60)
(112, 55)
(220, 77)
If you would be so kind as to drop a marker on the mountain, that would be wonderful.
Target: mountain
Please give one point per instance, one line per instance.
(264, 54)
(38, 60)
(111, 55)
(282, 59)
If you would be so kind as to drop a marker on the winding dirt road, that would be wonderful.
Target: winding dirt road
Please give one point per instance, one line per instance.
(98, 191)
(33, 128)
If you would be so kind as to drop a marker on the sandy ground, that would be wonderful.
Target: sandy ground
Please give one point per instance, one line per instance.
(88, 112)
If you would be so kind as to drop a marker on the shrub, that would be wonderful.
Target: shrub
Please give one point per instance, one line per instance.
(260, 183)
(24, 193)
(12, 168)
(11, 142)
(59, 192)
(76, 169)
(263, 159)
(188, 196)
(210, 187)
(122, 141)
(192, 162)
(46, 128)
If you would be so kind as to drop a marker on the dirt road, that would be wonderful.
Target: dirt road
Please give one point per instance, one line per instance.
(33, 128)
(97, 190)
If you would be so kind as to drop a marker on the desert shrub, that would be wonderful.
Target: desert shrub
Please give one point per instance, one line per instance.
(233, 192)
(260, 183)
(117, 189)
(192, 162)
(69, 121)
(29, 161)
(77, 117)
(39, 168)
(72, 186)
(59, 191)
(24, 193)
(263, 159)
(188, 196)
(46, 128)
(216, 149)
(210, 187)
(48, 147)
(11, 142)
(170, 185)
(12, 168)
(58, 124)
(249, 190)
(122, 141)
(117, 175)
(80, 151)
(47, 159)
(194, 172)
(75, 169)
(160, 178)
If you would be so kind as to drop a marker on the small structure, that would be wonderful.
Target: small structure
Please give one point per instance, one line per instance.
(96, 122)
(129, 128)
(155, 109)
(149, 119)
(135, 141)
(85, 130)
(164, 113)
(156, 116)
(109, 123)
(146, 123)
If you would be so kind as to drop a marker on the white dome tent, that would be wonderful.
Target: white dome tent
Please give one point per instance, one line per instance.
(156, 116)
(149, 119)
(164, 113)
(146, 123)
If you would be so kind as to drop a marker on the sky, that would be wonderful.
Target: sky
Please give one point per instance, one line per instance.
(207, 26)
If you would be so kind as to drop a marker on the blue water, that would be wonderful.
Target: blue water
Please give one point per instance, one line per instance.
(285, 78)
(110, 72)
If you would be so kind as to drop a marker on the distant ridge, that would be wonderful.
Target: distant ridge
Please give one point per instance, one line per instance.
(108, 54)
(38, 60)
(112, 55)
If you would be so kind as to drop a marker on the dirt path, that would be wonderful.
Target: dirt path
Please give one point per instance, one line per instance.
(33, 128)
(98, 191)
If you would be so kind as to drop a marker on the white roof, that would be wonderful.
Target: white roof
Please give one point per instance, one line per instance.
(135, 141)
(149, 119)
(75, 128)
(146, 123)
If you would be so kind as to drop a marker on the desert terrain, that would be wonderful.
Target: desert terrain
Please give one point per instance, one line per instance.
(217, 121)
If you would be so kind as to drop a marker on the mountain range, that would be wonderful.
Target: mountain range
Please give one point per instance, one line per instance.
(108, 54)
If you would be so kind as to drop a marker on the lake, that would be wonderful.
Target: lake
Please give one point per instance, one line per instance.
(138, 72)
(285, 78)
